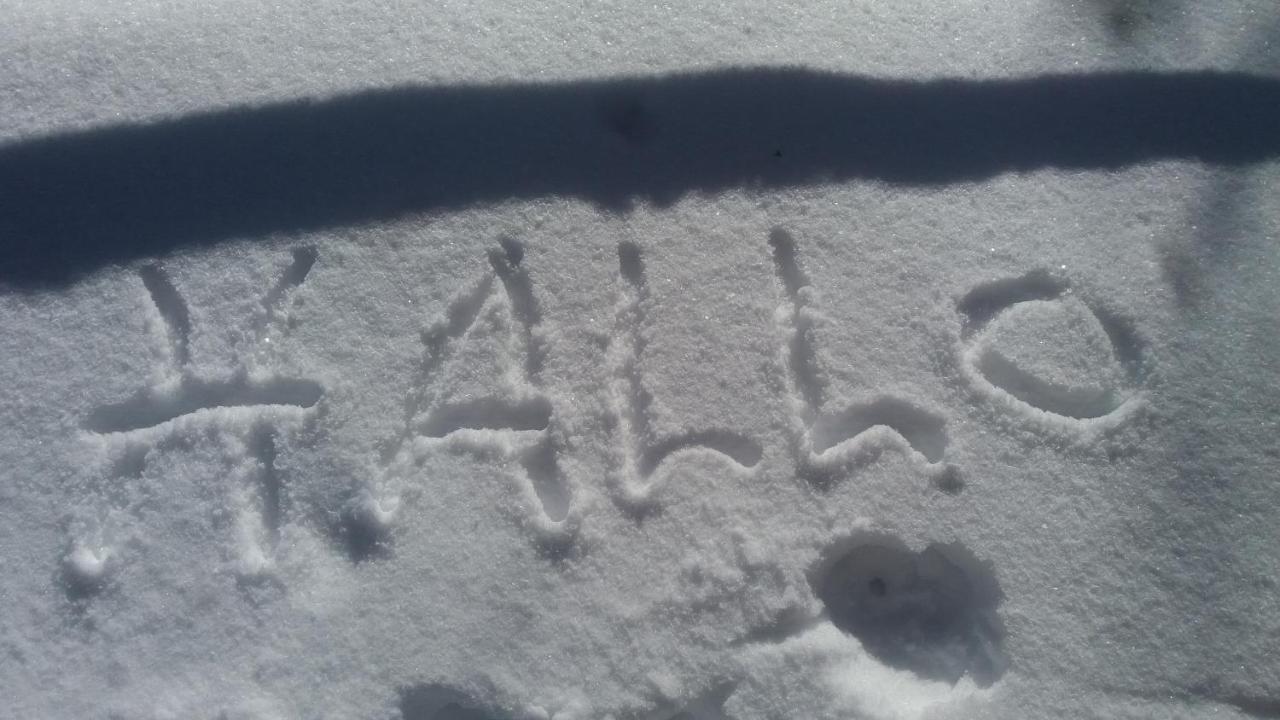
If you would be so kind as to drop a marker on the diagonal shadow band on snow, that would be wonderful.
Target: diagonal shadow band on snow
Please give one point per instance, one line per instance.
(74, 202)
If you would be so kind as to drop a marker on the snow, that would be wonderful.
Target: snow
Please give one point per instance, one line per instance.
(637, 361)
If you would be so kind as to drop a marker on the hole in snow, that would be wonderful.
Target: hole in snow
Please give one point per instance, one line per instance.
(363, 530)
(438, 702)
(932, 612)
(877, 587)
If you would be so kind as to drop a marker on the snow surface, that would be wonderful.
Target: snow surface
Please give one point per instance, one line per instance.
(574, 412)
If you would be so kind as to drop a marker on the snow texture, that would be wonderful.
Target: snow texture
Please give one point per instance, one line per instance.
(550, 361)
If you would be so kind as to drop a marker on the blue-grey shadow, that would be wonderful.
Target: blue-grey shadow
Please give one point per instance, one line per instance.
(72, 203)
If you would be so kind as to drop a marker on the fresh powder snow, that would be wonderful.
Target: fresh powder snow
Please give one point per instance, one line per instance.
(640, 361)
